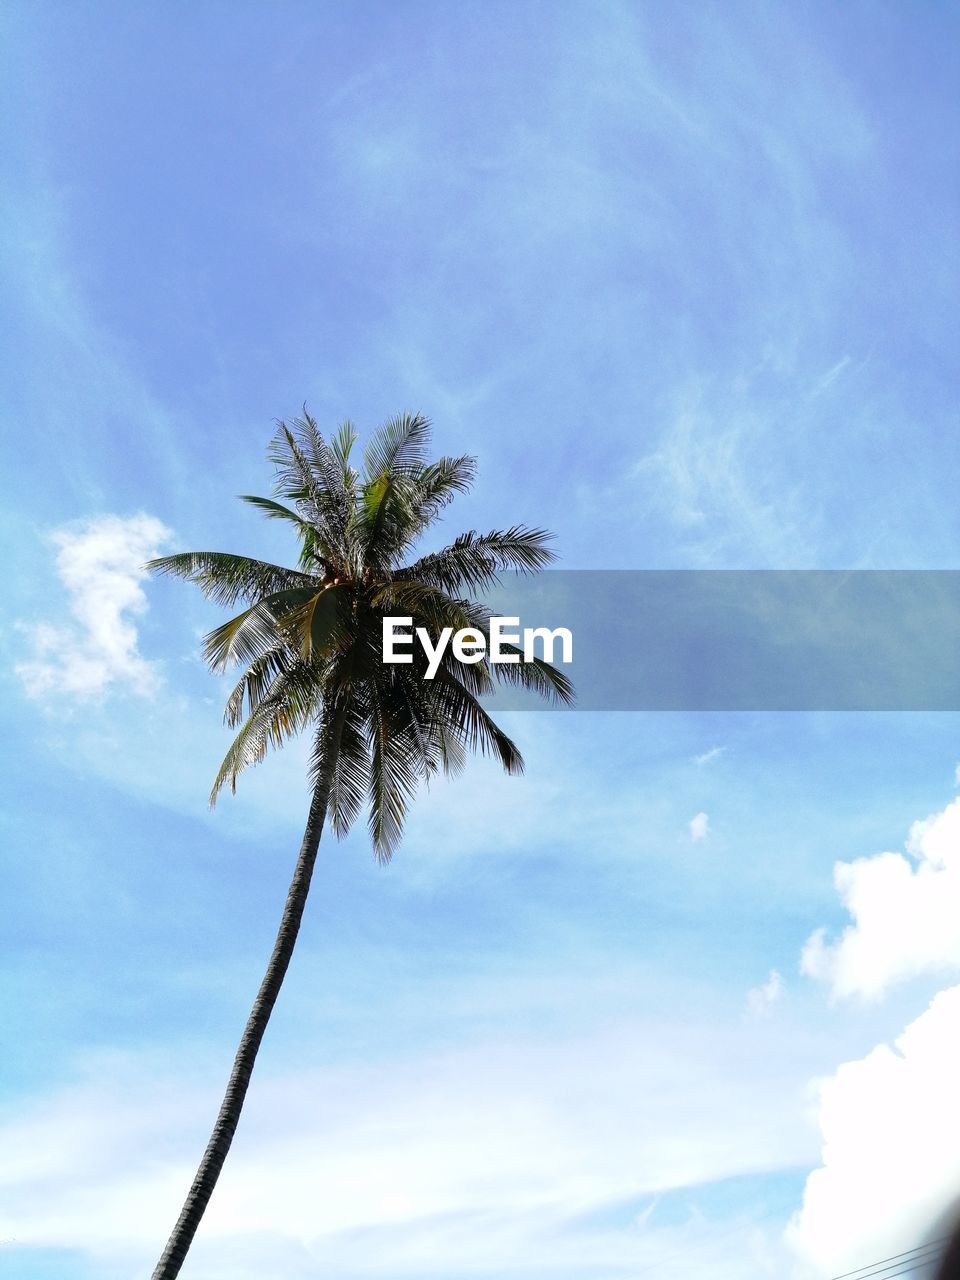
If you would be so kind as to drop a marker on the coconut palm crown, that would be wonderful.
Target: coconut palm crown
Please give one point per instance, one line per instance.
(310, 642)
(311, 638)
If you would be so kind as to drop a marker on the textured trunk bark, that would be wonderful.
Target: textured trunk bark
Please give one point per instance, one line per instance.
(216, 1153)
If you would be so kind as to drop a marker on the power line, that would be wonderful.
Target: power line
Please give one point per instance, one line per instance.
(910, 1269)
(908, 1259)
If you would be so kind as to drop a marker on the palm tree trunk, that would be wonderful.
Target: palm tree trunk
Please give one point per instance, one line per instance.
(216, 1153)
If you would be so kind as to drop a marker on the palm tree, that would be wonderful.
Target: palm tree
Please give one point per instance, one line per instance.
(310, 640)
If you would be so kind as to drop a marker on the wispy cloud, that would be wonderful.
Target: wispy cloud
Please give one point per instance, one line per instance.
(498, 1151)
(100, 564)
(830, 377)
(709, 756)
(715, 476)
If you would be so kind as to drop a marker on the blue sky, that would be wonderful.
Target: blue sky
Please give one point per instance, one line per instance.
(684, 281)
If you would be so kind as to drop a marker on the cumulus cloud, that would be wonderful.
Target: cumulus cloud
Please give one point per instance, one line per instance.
(760, 1000)
(699, 827)
(100, 563)
(904, 909)
(890, 1166)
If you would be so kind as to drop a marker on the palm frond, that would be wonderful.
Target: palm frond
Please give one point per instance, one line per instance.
(399, 446)
(308, 475)
(414, 500)
(428, 604)
(477, 730)
(535, 673)
(331, 467)
(253, 685)
(395, 772)
(474, 560)
(311, 550)
(318, 624)
(449, 746)
(282, 713)
(440, 482)
(256, 631)
(273, 510)
(294, 477)
(342, 444)
(340, 762)
(227, 578)
(390, 520)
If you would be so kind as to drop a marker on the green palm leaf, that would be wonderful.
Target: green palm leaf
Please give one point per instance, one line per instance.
(228, 578)
(399, 447)
(475, 560)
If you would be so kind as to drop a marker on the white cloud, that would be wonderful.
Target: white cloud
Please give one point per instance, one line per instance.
(831, 375)
(497, 1151)
(760, 1000)
(891, 1148)
(709, 756)
(904, 913)
(699, 827)
(100, 563)
(714, 477)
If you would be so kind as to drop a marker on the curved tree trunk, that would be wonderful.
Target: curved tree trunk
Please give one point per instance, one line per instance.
(216, 1153)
